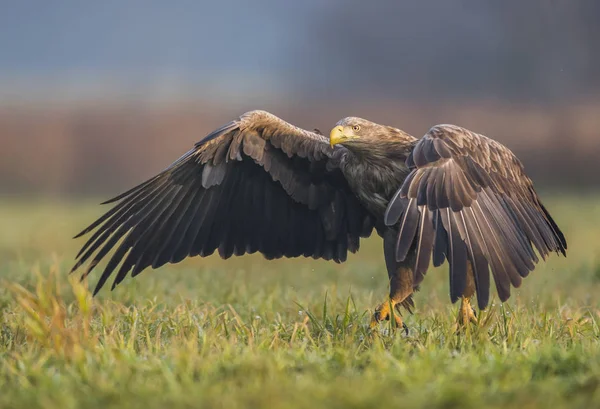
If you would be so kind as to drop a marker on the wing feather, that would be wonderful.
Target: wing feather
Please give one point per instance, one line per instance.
(484, 210)
(426, 236)
(254, 184)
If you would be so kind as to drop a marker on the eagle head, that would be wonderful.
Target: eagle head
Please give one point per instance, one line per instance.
(355, 132)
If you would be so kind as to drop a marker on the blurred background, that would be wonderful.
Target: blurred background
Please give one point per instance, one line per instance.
(96, 96)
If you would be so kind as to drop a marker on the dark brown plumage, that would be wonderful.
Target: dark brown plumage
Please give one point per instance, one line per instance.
(261, 184)
(468, 199)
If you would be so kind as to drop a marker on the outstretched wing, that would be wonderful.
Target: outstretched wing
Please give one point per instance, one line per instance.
(255, 184)
(468, 199)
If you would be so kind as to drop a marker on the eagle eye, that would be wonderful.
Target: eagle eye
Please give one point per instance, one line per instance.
(356, 128)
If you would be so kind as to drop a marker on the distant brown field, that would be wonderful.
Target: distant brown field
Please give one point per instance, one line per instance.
(102, 147)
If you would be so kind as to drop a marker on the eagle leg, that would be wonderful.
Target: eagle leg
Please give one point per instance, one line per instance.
(400, 274)
(466, 312)
(401, 291)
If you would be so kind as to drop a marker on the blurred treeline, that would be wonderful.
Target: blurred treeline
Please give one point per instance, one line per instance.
(526, 73)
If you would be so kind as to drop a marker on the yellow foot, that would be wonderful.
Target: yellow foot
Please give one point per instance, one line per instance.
(466, 313)
(384, 311)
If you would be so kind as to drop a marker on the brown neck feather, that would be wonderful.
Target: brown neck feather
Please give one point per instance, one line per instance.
(390, 144)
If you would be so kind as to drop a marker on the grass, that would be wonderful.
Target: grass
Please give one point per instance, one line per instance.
(288, 333)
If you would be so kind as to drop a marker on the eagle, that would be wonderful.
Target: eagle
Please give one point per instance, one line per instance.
(261, 184)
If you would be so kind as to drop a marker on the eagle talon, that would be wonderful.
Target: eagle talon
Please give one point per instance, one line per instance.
(466, 313)
(384, 312)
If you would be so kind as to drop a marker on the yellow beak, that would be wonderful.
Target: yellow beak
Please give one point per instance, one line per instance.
(336, 136)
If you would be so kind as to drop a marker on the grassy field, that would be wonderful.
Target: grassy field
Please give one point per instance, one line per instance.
(288, 333)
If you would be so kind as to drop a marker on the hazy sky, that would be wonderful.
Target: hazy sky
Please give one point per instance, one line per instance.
(155, 44)
(73, 48)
